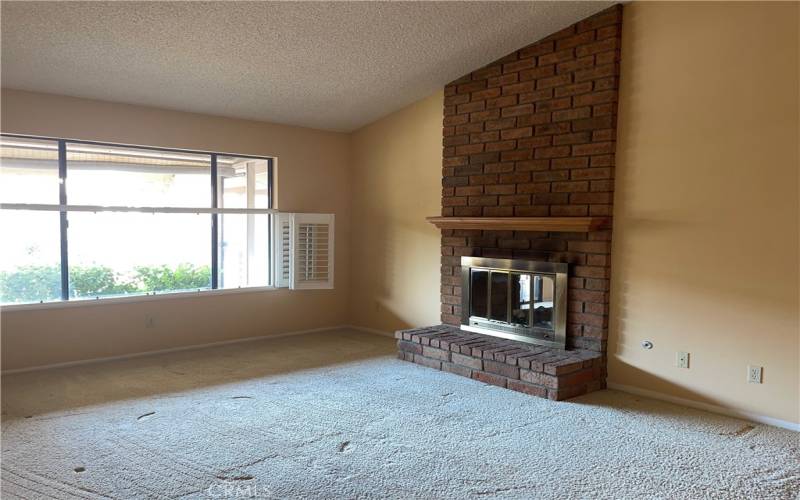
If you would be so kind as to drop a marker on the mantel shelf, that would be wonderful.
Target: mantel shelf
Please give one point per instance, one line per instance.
(554, 224)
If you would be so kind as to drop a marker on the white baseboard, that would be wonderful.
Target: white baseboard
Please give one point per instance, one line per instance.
(172, 349)
(371, 330)
(730, 412)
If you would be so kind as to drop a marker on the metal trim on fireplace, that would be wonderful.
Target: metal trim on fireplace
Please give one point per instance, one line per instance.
(530, 334)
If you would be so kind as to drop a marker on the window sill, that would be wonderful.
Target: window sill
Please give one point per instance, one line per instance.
(88, 302)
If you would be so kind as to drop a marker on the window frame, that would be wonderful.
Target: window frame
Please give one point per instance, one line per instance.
(63, 208)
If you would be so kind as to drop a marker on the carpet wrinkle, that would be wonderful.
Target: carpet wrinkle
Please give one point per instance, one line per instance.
(240, 477)
(496, 491)
(318, 439)
(739, 432)
(56, 416)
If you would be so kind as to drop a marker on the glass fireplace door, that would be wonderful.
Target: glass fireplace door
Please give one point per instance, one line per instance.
(517, 299)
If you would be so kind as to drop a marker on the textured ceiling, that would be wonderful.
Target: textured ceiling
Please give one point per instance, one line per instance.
(327, 65)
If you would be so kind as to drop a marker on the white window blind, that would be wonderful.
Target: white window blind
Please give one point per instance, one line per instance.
(304, 259)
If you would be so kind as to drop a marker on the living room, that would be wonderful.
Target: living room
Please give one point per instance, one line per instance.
(400, 249)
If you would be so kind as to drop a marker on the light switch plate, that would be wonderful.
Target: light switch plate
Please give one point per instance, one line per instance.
(682, 359)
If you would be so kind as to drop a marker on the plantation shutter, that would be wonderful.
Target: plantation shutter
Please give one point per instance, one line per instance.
(312, 251)
(303, 251)
(282, 250)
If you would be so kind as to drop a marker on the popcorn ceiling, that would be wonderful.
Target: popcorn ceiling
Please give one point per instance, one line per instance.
(329, 65)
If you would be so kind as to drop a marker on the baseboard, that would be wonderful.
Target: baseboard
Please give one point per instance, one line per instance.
(730, 412)
(371, 330)
(171, 349)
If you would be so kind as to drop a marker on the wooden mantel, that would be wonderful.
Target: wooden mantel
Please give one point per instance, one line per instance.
(562, 224)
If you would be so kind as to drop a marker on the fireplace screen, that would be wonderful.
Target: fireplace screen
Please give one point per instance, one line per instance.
(516, 299)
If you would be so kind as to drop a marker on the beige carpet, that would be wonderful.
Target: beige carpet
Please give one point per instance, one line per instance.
(334, 415)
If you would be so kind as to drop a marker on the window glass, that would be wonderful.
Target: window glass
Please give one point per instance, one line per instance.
(117, 176)
(243, 238)
(28, 171)
(114, 254)
(30, 260)
(242, 182)
(243, 250)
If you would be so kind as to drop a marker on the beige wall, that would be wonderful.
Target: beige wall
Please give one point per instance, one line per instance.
(397, 165)
(705, 251)
(313, 176)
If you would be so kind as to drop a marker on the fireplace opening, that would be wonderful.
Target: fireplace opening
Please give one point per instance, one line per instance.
(516, 299)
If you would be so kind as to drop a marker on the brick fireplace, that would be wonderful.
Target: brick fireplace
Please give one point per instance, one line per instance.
(531, 135)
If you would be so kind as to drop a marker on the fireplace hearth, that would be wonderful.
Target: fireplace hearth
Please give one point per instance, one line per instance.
(536, 370)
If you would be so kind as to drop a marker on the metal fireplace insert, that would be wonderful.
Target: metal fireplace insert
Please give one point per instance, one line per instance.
(515, 299)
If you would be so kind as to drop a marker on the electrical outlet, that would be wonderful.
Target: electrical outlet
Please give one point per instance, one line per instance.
(682, 359)
(754, 374)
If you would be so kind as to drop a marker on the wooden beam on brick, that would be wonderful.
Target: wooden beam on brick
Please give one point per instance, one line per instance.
(553, 224)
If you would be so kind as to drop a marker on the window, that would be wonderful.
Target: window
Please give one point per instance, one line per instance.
(88, 220)
(244, 238)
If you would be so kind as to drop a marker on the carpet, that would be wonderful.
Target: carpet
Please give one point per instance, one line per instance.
(334, 415)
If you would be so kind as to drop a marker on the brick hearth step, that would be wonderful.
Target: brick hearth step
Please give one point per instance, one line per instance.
(536, 370)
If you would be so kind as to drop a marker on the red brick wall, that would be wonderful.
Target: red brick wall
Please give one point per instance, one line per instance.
(533, 134)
